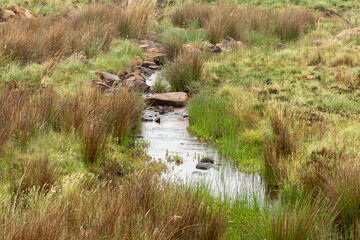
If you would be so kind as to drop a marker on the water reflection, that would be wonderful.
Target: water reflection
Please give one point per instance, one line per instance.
(171, 140)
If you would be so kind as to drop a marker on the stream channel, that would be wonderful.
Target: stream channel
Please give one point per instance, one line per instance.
(171, 139)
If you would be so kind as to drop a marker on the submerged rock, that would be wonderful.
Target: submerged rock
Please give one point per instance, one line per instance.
(175, 99)
(204, 166)
(198, 173)
(146, 119)
(207, 160)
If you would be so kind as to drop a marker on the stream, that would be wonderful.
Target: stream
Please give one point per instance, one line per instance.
(170, 142)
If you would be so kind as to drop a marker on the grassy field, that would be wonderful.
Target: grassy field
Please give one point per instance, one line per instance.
(280, 100)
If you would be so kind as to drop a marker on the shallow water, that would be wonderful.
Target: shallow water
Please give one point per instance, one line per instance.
(171, 138)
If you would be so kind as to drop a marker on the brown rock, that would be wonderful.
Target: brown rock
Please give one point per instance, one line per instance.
(7, 15)
(212, 48)
(316, 43)
(138, 77)
(273, 90)
(107, 78)
(281, 46)
(137, 84)
(136, 62)
(175, 99)
(229, 44)
(347, 34)
(148, 64)
(23, 12)
(156, 55)
(190, 49)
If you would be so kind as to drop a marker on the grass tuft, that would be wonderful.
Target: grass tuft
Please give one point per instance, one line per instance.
(184, 74)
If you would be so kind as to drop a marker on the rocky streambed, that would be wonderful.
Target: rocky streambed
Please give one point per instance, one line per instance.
(189, 160)
(164, 130)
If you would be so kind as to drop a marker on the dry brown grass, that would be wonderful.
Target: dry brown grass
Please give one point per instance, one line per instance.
(143, 206)
(229, 19)
(283, 144)
(224, 21)
(290, 23)
(38, 174)
(18, 115)
(93, 137)
(89, 113)
(183, 15)
(89, 31)
(122, 113)
(74, 110)
(342, 189)
(93, 115)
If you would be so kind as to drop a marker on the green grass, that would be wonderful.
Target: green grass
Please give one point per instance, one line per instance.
(186, 35)
(72, 73)
(118, 57)
(213, 118)
(50, 186)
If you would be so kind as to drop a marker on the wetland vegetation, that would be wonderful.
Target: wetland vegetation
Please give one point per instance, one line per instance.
(273, 85)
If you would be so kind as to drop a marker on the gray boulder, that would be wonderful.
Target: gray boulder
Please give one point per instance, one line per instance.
(204, 166)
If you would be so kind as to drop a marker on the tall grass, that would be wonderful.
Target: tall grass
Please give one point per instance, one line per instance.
(190, 13)
(93, 138)
(32, 174)
(89, 31)
(184, 74)
(302, 220)
(143, 206)
(236, 21)
(19, 116)
(173, 46)
(290, 23)
(284, 143)
(122, 113)
(224, 21)
(89, 113)
(342, 189)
